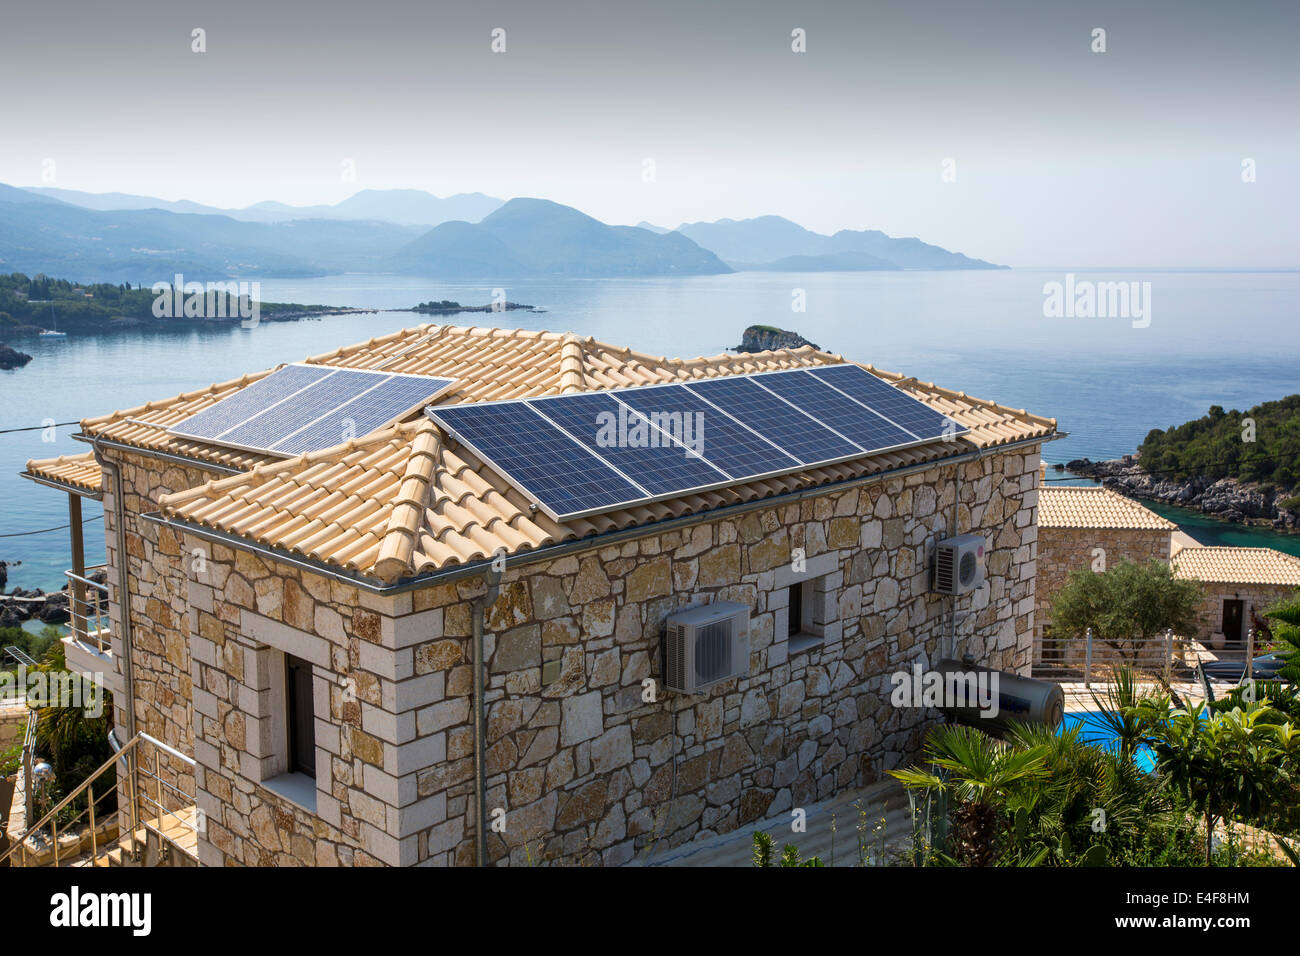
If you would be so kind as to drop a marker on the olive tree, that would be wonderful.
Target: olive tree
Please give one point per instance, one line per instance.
(1126, 605)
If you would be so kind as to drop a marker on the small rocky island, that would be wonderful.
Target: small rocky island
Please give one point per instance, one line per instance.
(765, 338)
(448, 307)
(11, 358)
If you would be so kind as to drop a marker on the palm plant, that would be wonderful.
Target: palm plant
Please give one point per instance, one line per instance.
(982, 774)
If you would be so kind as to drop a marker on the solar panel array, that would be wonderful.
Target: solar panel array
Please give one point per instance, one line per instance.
(581, 454)
(302, 408)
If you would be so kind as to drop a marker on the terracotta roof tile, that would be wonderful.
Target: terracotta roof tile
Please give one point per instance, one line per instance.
(1227, 565)
(406, 500)
(80, 471)
(1095, 507)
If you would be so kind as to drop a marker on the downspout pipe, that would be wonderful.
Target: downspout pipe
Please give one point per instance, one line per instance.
(123, 594)
(124, 616)
(479, 608)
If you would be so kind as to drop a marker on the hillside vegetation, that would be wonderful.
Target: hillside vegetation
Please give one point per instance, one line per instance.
(1213, 447)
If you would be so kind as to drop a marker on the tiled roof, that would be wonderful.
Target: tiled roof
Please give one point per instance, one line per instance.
(79, 471)
(1225, 565)
(1095, 507)
(407, 500)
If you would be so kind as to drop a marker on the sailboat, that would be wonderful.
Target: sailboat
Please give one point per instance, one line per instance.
(53, 333)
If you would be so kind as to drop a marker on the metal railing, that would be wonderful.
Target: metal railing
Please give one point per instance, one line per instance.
(29, 845)
(88, 609)
(1168, 656)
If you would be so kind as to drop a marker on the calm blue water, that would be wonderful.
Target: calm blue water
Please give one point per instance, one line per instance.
(1214, 338)
(1095, 731)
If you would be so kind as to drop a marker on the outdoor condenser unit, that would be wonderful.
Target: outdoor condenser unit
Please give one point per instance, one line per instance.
(705, 645)
(1024, 699)
(959, 564)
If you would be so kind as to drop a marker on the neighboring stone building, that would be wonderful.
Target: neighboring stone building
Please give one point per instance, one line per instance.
(305, 627)
(1239, 584)
(1087, 529)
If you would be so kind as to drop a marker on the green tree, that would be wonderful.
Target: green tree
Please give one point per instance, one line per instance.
(1126, 605)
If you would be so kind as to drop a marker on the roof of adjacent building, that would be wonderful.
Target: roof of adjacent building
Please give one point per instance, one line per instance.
(407, 500)
(1095, 507)
(1229, 565)
(80, 474)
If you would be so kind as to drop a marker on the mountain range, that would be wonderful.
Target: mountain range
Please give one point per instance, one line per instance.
(116, 237)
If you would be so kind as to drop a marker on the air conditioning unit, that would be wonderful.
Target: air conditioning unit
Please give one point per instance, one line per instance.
(705, 645)
(959, 564)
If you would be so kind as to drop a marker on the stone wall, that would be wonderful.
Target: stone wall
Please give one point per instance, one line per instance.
(1062, 550)
(585, 768)
(1255, 597)
(157, 582)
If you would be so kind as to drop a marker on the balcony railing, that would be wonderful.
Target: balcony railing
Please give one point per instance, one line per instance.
(88, 608)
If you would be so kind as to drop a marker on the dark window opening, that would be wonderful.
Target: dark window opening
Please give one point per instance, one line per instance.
(302, 716)
(794, 622)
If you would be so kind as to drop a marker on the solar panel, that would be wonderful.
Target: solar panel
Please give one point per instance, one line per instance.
(660, 463)
(776, 420)
(739, 451)
(837, 410)
(553, 469)
(896, 405)
(302, 408)
(581, 454)
(370, 410)
(250, 400)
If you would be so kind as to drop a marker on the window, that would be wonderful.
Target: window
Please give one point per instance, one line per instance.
(796, 623)
(301, 716)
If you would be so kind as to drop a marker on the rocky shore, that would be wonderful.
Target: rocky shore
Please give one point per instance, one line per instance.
(764, 338)
(21, 605)
(1225, 498)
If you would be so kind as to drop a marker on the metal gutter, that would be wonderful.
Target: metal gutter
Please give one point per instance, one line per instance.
(161, 455)
(479, 608)
(477, 568)
(61, 486)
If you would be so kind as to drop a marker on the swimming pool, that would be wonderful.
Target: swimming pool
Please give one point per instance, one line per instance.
(1095, 731)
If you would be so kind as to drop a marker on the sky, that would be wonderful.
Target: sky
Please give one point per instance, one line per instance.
(992, 128)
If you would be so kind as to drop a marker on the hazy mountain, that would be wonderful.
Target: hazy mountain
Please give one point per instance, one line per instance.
(769, 242)
(402, 206)
(40, 234)
(536, 237)
(643, 224)
(830, 262)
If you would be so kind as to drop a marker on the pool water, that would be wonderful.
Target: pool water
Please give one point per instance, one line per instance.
(1095, 731)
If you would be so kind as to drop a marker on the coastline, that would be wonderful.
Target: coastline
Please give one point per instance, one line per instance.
(1224, 499)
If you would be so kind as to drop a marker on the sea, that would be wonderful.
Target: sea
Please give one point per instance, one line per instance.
(1203, 338)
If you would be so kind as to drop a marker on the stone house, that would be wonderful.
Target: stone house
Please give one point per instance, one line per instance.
(1087, 528)
(1238, 585)
(306, 628)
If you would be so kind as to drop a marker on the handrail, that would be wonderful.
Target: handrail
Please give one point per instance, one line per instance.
(121, 754)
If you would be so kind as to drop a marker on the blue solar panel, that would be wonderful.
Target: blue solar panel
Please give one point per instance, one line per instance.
(728, 444)
(624, 439)
(837, 410)
(596, 451)
(250, 400)
(894, 404)
(554, 470)
(774, 419)
(266, 428)
(303, 408)
(385, 400)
